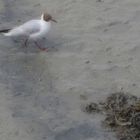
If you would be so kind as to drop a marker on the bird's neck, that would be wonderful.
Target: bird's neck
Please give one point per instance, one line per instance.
(42, 17)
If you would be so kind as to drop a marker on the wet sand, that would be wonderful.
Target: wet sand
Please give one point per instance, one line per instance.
(94, 51)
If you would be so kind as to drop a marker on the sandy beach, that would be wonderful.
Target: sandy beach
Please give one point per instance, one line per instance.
(94, 50)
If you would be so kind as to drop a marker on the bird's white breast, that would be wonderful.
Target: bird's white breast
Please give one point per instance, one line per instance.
(44, 28)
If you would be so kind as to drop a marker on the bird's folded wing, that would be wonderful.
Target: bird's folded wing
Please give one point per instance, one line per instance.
(31, 27)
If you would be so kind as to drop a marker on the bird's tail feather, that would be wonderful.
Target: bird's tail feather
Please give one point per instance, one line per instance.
(5, 30)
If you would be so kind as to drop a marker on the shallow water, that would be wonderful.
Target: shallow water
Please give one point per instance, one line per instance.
(94, 50)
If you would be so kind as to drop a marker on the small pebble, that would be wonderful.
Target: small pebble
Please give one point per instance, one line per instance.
(87, 62)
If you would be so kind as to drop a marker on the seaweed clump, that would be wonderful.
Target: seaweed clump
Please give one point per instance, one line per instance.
(122, 114)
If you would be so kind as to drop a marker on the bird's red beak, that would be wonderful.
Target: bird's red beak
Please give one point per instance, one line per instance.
(53, 20)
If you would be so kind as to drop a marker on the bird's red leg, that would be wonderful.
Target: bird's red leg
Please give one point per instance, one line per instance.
(43, 49)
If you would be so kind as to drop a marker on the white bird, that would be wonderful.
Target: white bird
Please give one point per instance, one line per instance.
(32, 30)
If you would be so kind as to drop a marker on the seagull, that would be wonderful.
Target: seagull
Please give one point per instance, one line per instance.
(32, 30)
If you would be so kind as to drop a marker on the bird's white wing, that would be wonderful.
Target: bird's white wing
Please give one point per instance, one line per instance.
(28, 28)
(31, 27)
